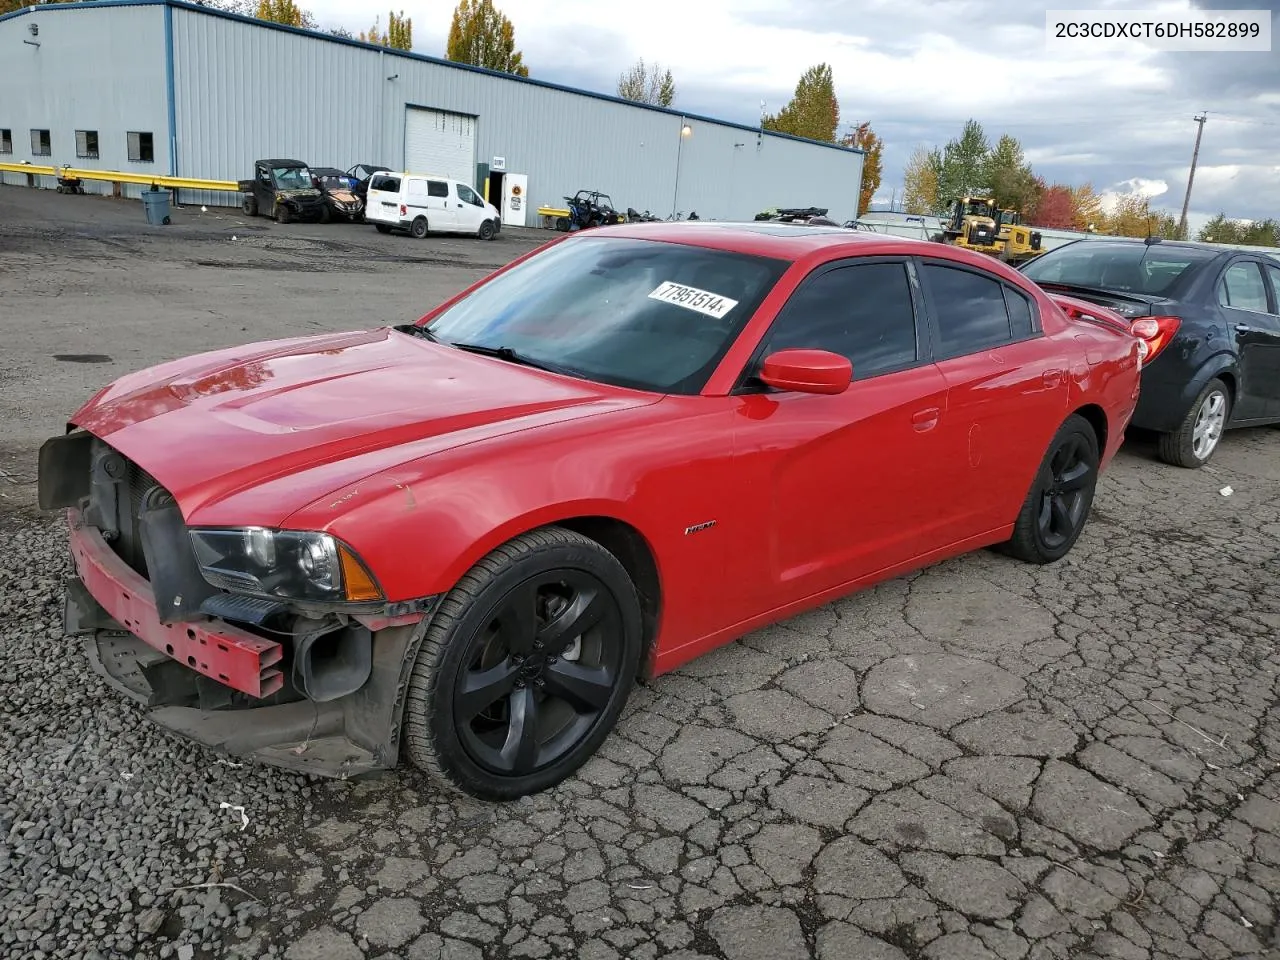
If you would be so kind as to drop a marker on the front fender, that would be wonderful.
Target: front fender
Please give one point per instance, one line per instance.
(661, 471)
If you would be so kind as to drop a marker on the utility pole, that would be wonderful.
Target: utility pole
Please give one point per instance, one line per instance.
(1195, 155)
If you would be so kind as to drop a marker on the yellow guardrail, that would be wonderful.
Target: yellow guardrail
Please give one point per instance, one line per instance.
(121, 176)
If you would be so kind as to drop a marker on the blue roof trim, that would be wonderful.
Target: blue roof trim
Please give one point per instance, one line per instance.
(423, 58)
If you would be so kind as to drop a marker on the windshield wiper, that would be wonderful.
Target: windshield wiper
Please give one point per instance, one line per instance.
(511, 356)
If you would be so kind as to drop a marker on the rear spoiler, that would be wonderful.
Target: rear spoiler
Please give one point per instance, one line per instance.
(1090, 312)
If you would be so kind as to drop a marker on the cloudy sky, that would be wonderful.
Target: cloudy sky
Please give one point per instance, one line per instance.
(1118, 116)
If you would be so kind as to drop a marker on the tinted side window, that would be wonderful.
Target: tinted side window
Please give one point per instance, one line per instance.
(1243, 289)
(862, 312)
(1021, 323)
(437, 188)
(970, 310)
(389, 184)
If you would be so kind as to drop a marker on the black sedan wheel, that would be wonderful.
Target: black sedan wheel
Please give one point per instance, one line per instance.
(525, 668)
(1196, 438)
(1058, 503)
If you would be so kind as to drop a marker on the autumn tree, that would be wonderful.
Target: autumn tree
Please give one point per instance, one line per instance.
(1055, 208)
(920, 183)
(1086, 207)
(964, 164)
(1131, 217)
(482, 36)
(647, 84)
(284, 11)
(872, 147)
(813, 112)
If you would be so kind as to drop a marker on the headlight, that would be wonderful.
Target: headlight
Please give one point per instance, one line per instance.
(284, 564)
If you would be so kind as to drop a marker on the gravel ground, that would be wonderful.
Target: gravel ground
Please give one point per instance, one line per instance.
(982, 760)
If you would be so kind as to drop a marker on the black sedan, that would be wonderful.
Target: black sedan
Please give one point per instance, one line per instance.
(1211, 319)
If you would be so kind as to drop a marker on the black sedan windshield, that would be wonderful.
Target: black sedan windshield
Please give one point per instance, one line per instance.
(634, 313)
(1126, 267)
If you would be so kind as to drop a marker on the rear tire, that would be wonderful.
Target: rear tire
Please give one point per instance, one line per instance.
(250, 206)
(506, 697)
(1058, 503)
(1192, 445)
(418, 229)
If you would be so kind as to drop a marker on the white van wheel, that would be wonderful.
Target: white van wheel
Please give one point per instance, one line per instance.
(487, 230)
(418, 229)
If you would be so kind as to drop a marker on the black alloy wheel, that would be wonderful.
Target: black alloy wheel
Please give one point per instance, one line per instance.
(525, 668)
(1057, 506)
(540, 672)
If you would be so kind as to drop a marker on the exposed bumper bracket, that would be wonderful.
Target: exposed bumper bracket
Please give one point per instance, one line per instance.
(224, 653)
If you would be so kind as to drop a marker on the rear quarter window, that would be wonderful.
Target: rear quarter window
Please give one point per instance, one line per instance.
(385, 184)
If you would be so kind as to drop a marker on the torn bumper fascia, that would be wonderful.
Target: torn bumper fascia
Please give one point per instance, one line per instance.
(112, 608)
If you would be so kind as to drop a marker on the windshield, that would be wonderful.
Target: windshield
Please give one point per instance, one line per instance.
(291, 178)
(330, 182)
(633, 313)
(1120, 267)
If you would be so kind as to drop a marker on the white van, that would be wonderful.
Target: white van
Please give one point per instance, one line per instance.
(421, 204)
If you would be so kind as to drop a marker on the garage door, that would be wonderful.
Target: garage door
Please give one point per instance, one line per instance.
(439, 142)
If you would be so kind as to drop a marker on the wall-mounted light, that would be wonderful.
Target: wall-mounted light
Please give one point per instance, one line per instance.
(686, 130)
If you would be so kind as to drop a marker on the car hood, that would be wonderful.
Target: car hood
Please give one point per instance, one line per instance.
(314, 409)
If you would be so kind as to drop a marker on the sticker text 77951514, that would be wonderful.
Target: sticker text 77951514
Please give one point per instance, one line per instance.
(703, 301)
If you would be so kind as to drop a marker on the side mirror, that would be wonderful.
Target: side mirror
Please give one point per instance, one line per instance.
(807, 371)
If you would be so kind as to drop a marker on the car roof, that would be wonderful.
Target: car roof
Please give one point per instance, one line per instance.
(327, 172)
(280, 162)
(784, 241)
(1196, 245)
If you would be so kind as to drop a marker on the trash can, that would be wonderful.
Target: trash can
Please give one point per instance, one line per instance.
(156, 204)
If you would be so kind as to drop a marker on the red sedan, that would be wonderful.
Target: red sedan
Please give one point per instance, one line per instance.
(463, 540)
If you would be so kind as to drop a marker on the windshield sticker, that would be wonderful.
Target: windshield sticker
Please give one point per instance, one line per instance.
(704, 301)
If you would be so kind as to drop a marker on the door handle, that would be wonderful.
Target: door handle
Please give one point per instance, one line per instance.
(1052, 378)
(925, 419)
(1243, 328)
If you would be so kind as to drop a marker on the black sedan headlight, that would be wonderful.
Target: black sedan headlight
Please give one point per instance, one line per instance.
(283, 564)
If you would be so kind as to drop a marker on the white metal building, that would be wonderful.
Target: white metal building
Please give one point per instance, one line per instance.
(167, 87)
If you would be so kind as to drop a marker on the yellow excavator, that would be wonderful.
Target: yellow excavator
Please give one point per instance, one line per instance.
(977, 222)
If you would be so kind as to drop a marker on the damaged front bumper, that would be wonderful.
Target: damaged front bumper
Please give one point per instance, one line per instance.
(312, 692)
(198, 679)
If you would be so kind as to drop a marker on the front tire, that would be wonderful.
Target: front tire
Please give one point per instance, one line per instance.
(1193, 443)
(283, 213)
(1057, 506)
(487, 230)
(525, 668)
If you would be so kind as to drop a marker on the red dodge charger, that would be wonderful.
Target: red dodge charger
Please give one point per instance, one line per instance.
(463, 540)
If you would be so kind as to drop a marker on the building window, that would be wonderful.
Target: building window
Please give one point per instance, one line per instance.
(87, 144)
(41, 146)
(141, 147)
(6, 141)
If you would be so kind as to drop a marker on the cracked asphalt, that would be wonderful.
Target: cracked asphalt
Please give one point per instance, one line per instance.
(980, 760)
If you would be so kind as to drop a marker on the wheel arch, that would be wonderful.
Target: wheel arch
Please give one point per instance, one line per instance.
(1097, 419)
(604, 525)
